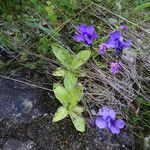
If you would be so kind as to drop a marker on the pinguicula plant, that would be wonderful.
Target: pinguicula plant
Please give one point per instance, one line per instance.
(69, 98)
(70, 64)
(71, 92)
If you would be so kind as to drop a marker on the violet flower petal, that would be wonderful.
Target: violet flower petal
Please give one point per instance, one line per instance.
(81, 28)
(111, 43)
(102, 48)
(88, 40)
(112, 127)
(123, 27)
(114, 130)
(104, 111)
(112, 114)
(114, 67)
(101, 123)
(90, 30)
(78, 38)
(116, 35)
(119, 123)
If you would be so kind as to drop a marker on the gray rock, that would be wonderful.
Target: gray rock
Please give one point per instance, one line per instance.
(13, 144)
(18, 102)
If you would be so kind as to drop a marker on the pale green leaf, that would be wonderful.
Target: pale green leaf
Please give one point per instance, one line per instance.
(59, 72)
(62, 55)
(61, 94)
(75, 95)
(78, 122)
(70, 80)
(80, 59)
(60, 114)
(79, 109)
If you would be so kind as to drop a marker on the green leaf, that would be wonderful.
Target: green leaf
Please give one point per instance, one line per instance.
(62, 55)
(78, 109)
(103, 39)
(80, 58)
(78, 122)
(50, 9)
(73, 4)
(141, 8)
(60, 114)
(75, 95)
(59, 72)
(61, 94)
(70, 80)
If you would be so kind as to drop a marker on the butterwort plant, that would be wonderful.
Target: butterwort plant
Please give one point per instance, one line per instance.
(69, 99)
(70, 63)
(71, 92)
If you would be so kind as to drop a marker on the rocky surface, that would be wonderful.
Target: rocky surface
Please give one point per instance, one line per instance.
(13, 144)
(18, 102)
(26, 124)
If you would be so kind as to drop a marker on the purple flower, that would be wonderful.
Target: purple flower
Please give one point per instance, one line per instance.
(101, 123)
(114, 67)
(102, 48)
(115, 41)
(123, 27)
(85, 34)
(104, 113)
(107, 119)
